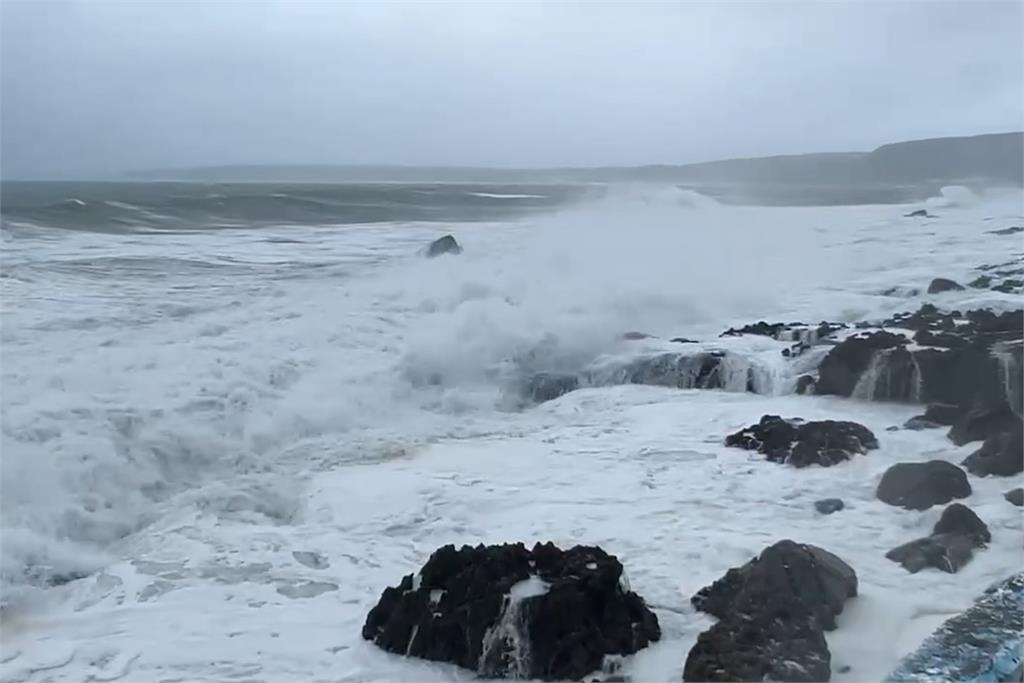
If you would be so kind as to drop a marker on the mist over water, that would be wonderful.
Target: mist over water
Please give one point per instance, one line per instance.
(138, 367)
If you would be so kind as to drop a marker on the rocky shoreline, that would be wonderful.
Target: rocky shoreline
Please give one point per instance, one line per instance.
(510, 612)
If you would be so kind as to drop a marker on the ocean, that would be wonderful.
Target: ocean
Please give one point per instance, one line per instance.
(205, 383)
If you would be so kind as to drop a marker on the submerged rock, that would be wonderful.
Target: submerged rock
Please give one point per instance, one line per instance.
(772, 612)
(941, 284)
(954, 538)
(508, 612)
(1007, 231)
(919, 422)
(918, 213)
(920, 485)
(797, 443)
(443, 245)
(827, 506)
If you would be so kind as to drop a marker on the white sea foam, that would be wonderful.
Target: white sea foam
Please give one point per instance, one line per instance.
(183, 430)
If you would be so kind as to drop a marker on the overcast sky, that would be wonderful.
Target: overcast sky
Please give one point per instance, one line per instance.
(92, 87)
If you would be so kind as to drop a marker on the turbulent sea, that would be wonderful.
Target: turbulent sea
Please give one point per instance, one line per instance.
(202, 384)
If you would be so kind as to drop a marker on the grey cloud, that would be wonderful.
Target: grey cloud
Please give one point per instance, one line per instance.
(94, 87)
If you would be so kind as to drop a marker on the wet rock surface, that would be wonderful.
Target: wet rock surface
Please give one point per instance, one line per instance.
(506, 611)
(443, 245)
(950, 546)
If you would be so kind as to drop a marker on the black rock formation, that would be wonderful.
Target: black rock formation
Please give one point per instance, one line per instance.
(1001, 455)
(797, 443)
(505, 611)
(1015, 496)
(772, 612)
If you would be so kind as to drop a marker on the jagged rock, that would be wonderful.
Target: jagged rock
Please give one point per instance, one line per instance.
(797, 443)
(1015, 496)
(547, 386)
(981, 423)
(805, 384)
(1001, 455)
(954, 538)
(443, 245)
(918, 213)
(781, 642)
(772, 613)
(508, 612)
(920, 485)
(1007, 231)
(827, 506)
(943, 413)
(683, 340)
(919, 422)
(803, 335)
(941, 284)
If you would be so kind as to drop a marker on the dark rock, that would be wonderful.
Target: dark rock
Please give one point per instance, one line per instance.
(547, 386)
(918, 213)
(805, 384)
(804, 336)
(941, 284)
(954, 538)
(981, 423)
(827, 506)
(901, 291)
(919, 422)
(943, 413)
(960, 519)
(980, 282)
(683, 340)
(811, 575)
(781, 642)
(1008, 286)
(841, 369)
(636, 336)
(701, 370)
(772, 613)
(443, 245)
(760, 328)
(1001, 455)
(972, 359)
(1015, 496)
(796, 443)
(1007, 231)
(920, 485)
(506, 611)
(947, 552)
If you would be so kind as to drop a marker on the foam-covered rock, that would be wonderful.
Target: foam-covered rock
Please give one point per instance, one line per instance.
(920, 485)
(506, 611)
(798, 443)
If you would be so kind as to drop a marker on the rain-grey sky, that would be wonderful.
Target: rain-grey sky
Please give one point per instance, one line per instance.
(93, 87)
